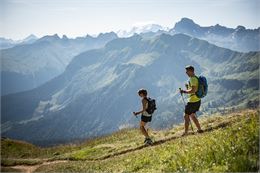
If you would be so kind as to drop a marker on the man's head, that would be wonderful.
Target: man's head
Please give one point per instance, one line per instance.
(189, 70)
(142, 93)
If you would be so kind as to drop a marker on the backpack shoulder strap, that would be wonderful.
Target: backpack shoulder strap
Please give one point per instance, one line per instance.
(147, 98)
(197, 79)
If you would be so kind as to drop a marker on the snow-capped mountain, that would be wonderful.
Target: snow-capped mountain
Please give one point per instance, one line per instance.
(141, 28)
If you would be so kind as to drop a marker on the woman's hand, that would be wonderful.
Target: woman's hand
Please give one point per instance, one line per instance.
(135, 113)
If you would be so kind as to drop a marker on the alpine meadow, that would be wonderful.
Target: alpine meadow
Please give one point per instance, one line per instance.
(155, 97)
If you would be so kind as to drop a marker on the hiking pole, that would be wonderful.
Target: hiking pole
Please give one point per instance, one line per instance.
(184, 108)
(182, 97)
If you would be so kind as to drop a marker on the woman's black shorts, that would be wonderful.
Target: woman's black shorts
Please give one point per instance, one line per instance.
(146, 119)
(191, 108)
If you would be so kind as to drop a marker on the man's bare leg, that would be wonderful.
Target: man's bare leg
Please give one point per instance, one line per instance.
(186, 123)
(143, 130)
(195, 120)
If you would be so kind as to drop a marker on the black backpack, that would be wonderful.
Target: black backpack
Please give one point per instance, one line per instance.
(151, 106)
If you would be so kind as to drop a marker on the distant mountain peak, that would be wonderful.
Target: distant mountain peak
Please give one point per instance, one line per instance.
(107, 35)
(239, 27)
(56, 36)
(187, 20)
(89, 36)
(64, 37)
(186, 23)
(179, 39)
(50, 38)
(218, 26)
(6, 39)
(31, 36)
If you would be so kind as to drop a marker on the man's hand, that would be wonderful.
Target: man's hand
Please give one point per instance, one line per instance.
(183, 91)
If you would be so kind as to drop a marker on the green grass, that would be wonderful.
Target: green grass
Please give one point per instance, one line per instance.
(230, 145)
(98, 146)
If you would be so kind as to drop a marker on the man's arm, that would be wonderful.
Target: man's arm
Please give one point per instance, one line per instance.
(194, 86)
(190, 91)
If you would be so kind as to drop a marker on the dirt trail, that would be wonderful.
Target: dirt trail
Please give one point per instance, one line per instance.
(32, 168)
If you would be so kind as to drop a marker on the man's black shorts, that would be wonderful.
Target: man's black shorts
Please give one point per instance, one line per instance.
(191, 108)
(146, 118)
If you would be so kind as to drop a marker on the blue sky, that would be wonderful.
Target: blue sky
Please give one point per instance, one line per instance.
(19, 18)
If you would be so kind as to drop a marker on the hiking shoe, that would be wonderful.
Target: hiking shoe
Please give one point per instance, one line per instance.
(184, 134)
(200, 131)
(148, 141)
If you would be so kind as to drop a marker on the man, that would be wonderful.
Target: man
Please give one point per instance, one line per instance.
(145, 118)
(194, 102)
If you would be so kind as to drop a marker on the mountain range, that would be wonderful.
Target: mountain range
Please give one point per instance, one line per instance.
(28, 63)
(8, 43)
(96, 94)
(26, 66)
(238, 39)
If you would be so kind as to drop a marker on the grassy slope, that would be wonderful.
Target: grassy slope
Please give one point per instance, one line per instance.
(234, 147)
